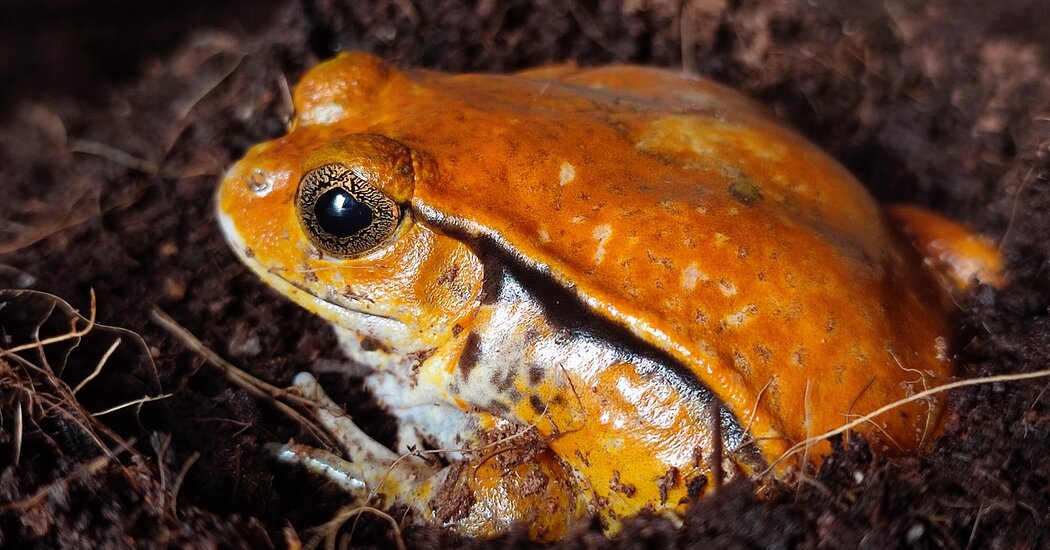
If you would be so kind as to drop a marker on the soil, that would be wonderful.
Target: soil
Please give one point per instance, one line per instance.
(117, 122)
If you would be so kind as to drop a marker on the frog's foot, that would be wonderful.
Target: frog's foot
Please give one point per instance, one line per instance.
(507, 479)
(372, 469)
(960, 255)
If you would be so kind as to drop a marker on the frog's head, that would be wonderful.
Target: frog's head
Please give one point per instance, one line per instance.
(329, 223)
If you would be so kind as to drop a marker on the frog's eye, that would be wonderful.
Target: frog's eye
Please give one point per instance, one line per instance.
(342, 213)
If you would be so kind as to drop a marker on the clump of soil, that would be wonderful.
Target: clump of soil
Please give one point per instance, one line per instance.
(106, 190)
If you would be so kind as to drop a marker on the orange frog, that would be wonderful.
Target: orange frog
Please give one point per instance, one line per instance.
(595, 291)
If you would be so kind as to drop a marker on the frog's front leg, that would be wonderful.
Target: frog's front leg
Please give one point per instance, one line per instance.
(372, 467)
(424, 418)
(505, 479)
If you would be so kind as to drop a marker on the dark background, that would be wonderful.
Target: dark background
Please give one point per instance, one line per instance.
(117, 118)
(80, 48)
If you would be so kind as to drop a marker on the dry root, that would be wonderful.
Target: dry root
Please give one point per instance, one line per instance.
(42, 381)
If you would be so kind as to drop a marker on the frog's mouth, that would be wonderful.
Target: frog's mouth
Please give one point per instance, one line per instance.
(342, 305)
(334, 309)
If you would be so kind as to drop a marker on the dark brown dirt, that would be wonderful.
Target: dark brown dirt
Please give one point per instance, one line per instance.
(114, 137)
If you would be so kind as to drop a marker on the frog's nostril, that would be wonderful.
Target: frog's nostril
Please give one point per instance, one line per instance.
(340, 214)
(259, 183)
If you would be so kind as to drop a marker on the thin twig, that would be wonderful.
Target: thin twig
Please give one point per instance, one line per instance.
(18, 433)
(249, 383)
(98, 368)
(178, 481)
(849, 411)
(329, 529)
(182, 111)
(93, 324)
(39, 344)
(138, 401)
(38, 497)
(754, 410)
(807, 412)
(921, 395)
(286, 99)
(113, 154)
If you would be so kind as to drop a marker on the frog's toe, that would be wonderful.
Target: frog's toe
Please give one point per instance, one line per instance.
(959, 254)
(321, 462)
(353, 440)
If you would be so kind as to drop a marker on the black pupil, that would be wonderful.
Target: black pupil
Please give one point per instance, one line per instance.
(340, 214)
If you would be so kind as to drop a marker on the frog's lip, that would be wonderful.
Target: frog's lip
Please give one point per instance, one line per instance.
(340, 306)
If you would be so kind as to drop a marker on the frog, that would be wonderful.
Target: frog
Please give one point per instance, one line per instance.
(589, 292)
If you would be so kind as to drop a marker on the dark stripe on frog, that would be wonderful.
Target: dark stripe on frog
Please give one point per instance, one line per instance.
(468, 359)
(491, 286)
(566, 312)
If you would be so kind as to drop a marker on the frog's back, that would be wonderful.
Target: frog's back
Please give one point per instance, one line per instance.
(690, 216)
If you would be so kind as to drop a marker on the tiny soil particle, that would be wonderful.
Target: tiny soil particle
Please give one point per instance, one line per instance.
(696, 487)
(667, 482)
(625, 489)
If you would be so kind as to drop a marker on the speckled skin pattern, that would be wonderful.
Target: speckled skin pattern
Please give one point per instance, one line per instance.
(596, 253)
